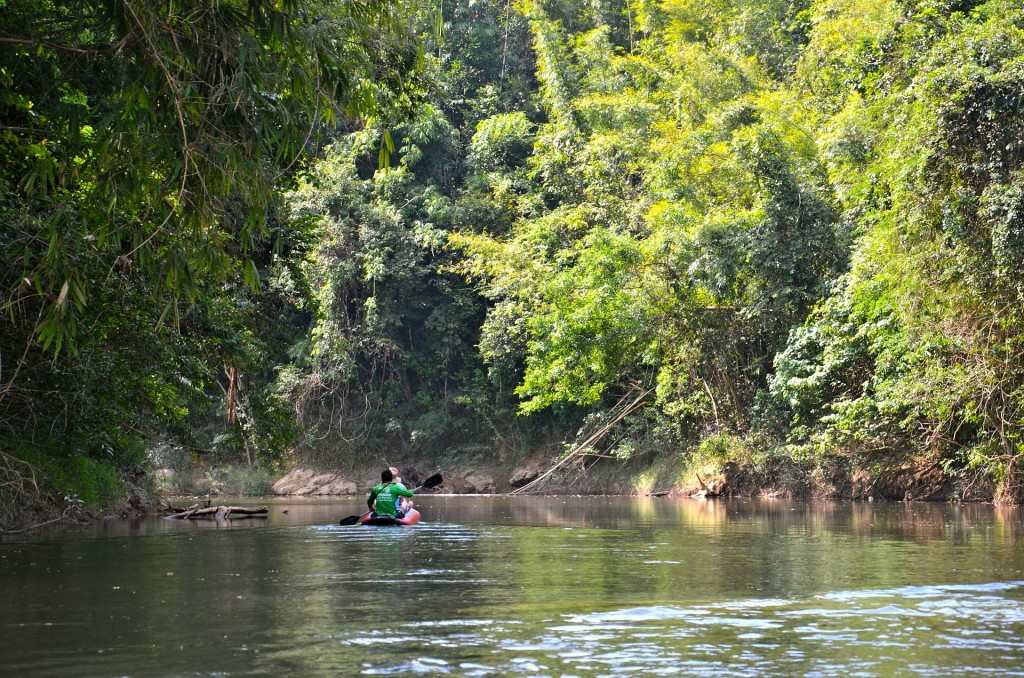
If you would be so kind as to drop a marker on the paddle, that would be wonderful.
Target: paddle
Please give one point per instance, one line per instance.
(431, 482)
(352, 520)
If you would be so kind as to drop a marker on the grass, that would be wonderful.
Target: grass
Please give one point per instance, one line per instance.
(97, 484)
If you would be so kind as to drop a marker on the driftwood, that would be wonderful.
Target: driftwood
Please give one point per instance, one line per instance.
(220, 513)
(705, 492)
(168, 507)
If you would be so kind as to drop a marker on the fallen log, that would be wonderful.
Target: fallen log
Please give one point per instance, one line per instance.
(168, 507)
(220, 513)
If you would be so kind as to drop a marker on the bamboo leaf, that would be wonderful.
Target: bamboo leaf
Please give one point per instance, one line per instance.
(63, 293)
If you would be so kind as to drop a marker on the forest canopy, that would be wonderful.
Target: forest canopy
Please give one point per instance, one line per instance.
(792, 227)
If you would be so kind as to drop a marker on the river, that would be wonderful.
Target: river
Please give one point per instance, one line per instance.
(526, 586)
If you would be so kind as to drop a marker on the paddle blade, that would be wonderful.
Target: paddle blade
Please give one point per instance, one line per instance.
(432, 481)
(351, 520)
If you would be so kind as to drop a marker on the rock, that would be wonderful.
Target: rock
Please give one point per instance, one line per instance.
(293, 481)
(454, 484)
(410, 476)
(322, 479)
(478, 483)
(337, 485)
(304, 482)
(525, 474)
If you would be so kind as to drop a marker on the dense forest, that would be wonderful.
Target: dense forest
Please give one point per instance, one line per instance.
(786, 236)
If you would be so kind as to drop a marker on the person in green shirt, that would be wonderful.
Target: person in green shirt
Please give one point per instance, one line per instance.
(385, 496)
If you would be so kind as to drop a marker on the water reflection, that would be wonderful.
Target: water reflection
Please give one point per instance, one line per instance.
(919, 521)
(932, 629)
(494, 586)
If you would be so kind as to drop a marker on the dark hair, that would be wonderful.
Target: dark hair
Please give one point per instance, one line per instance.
(385, 476)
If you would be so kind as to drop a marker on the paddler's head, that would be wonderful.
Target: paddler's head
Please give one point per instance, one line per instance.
(386, 476)
(395, 475)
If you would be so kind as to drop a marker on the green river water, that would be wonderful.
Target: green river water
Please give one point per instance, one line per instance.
(526, 586)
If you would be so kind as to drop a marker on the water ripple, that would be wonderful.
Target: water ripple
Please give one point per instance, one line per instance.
(976, 628)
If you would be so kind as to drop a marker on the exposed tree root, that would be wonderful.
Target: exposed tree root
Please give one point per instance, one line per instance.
(63, 516)
(19, 490)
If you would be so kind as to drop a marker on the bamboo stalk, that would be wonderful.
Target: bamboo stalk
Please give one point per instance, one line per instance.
(590, 441)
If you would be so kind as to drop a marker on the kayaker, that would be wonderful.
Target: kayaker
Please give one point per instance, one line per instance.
(384, 497)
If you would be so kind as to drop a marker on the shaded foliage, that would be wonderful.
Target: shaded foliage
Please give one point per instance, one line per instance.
(143, 148)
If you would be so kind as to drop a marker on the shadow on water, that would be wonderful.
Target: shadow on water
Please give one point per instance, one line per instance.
(501, 585)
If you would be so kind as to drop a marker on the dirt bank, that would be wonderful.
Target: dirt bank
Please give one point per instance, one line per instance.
(834, 477)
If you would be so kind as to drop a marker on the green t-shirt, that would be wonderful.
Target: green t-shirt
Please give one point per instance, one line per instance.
(385, 501)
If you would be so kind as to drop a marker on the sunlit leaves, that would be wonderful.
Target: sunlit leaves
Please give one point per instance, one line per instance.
(501, 141)
(923, 147)
(674, 197)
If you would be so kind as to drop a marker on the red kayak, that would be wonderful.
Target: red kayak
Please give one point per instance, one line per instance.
(412, 516)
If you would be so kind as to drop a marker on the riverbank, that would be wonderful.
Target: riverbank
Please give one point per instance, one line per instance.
(720, 467)
(716, 469)
(37, 490)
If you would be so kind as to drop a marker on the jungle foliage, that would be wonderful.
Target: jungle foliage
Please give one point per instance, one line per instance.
(143, 149)
(793, 223)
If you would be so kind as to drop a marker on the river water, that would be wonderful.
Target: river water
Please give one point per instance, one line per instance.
(526, 586)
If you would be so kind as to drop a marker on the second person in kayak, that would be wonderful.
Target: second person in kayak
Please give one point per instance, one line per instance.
(402, 503)
(385, 497)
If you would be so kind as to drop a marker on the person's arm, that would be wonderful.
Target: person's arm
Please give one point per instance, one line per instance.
(403, 491)
(372, 497)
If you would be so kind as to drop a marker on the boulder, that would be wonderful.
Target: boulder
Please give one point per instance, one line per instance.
(304, 482)
(293, 481)
(314, 484)
(476, 482)
(322, 479)
(526, 474)
(336, 485)
(410, 476)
